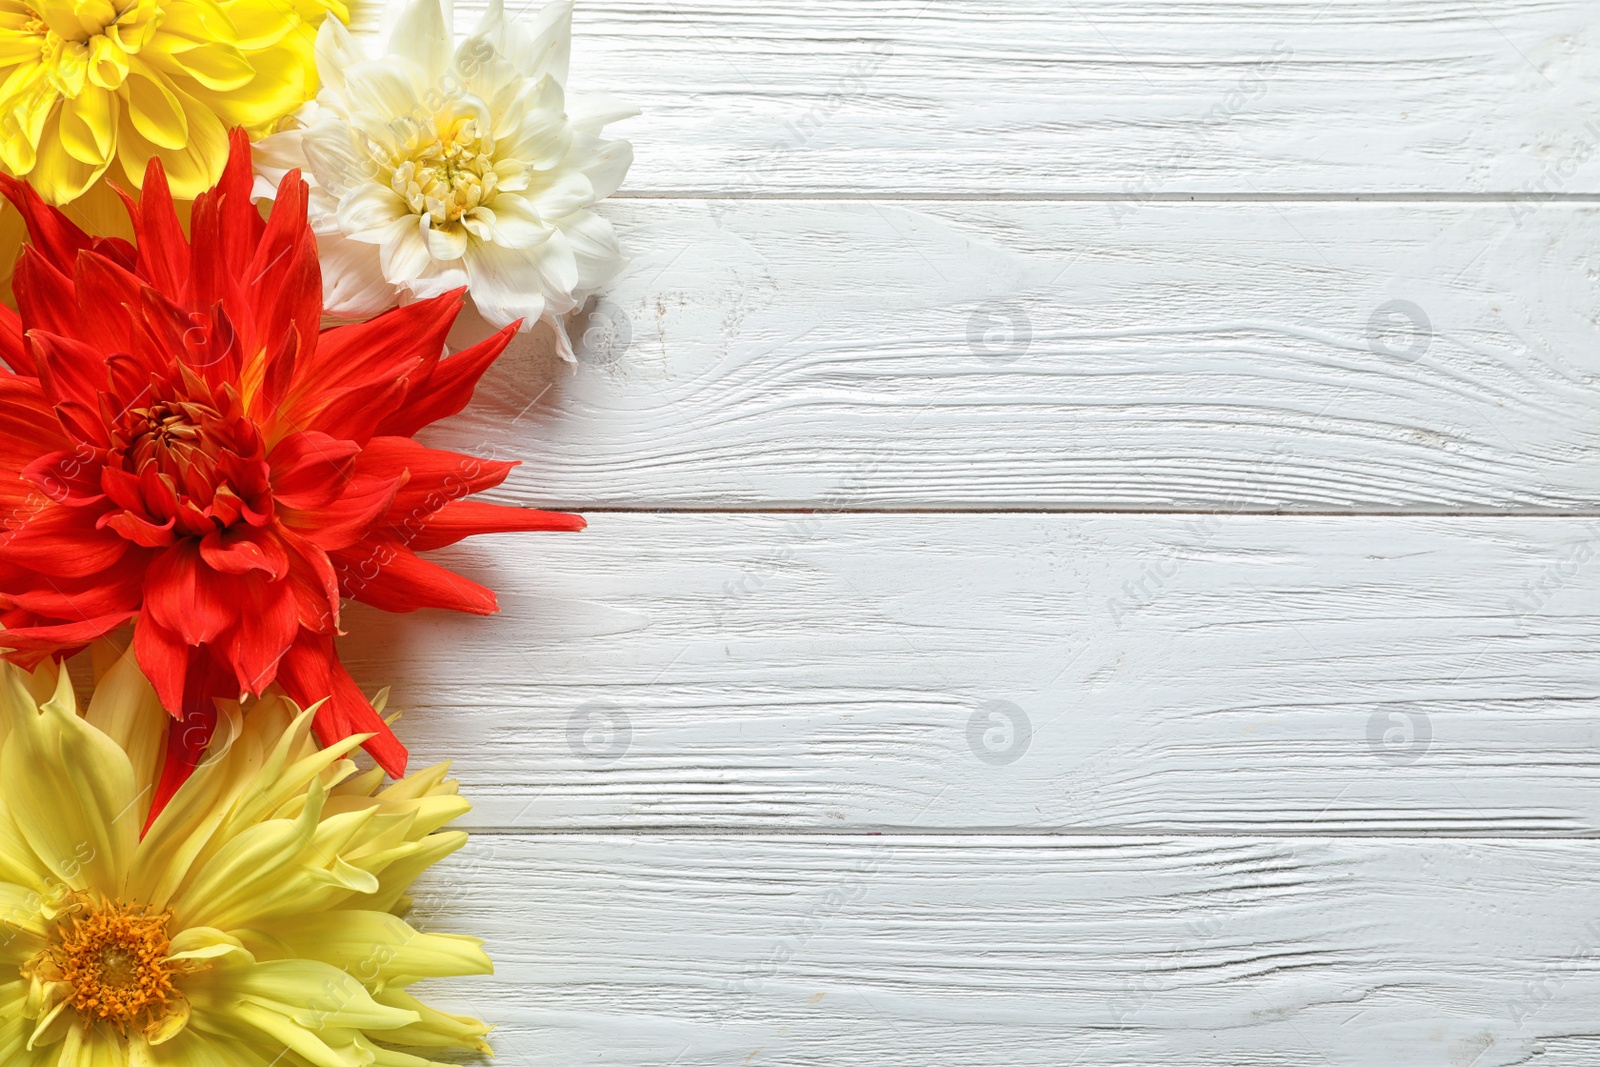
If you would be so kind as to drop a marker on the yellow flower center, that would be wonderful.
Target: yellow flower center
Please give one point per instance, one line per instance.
(446, 170)
(114, 958)
(90, 41)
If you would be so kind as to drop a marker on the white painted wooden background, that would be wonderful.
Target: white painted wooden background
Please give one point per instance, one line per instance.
(1095, 534)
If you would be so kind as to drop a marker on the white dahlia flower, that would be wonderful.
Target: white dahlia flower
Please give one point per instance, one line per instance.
(438, 166)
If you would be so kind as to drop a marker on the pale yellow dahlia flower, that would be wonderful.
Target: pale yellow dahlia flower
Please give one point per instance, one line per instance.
(94, 88)
(255, 924)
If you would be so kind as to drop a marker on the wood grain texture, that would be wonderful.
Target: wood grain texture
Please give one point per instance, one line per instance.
(1323, 675)
(1006, 952)
(1049, 789)
(1232, 357)
(1139, 98)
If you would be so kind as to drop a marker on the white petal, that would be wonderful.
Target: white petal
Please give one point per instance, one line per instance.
(330, 156)
(369, 212)
(420, 35)
(353, 285)
(532, 127)
(547, 48)
(336, 52)
(493, 21)
(558, 266)
(483, 68)
(438, 278)
(403, 253)
(607, 167)
(591, 111)
(387, 90)
(273, 157)
(504, 284)
(541, 47)
(517, 225)
(444, 242)
(567, 192)
(594, 247)
(563, 341)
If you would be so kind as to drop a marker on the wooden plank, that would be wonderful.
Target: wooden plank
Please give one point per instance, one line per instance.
(1098, 952)
(1232, 357)
(1211, 674)
(1138, 98)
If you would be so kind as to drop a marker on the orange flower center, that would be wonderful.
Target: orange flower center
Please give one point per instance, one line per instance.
(198, 468)
(114, 956)
(169, 436)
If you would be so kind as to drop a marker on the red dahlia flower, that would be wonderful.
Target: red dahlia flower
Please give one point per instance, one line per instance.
(181, 445)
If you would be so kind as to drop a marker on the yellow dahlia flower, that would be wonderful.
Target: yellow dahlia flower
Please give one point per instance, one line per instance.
(255, 923)
(97, 87)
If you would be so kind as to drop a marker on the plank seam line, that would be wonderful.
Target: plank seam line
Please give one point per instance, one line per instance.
(1114, 197)
(608, 509)
(1042, 835)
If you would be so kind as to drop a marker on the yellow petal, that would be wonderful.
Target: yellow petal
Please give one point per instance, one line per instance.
(108, 63)
(436, 1029)
(383, 947)
(208, 943)
(15, 1028)
(155, 109)
(21, 910)
(216, 66)
(126, 709)
(261, 863)
(184, 829)
(194, 166)
(19, 864)
(87, 127)
(77, 785)
(256, 25)
(312, 995)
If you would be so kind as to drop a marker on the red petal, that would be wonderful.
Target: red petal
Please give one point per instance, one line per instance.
(59, 598)
(241, 549)
(45, 296)
(311, 672)
(62, 635)
(402, 343)
(315, 585)
(350, 518)
(394, 578)
(434, 476)
(187, 739)
(464, 518)
(448, 389)
(105, 292)
(266, 627)
(70, 370)
(27, 431)
(138, 530)
(309, 469)
(67, 477)
(163, 252)
(188, 598)
(52, 233)
(355, 413)
(284, 278)
(11, 349)
(225, 229)
(164, 659)
(62, 541)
